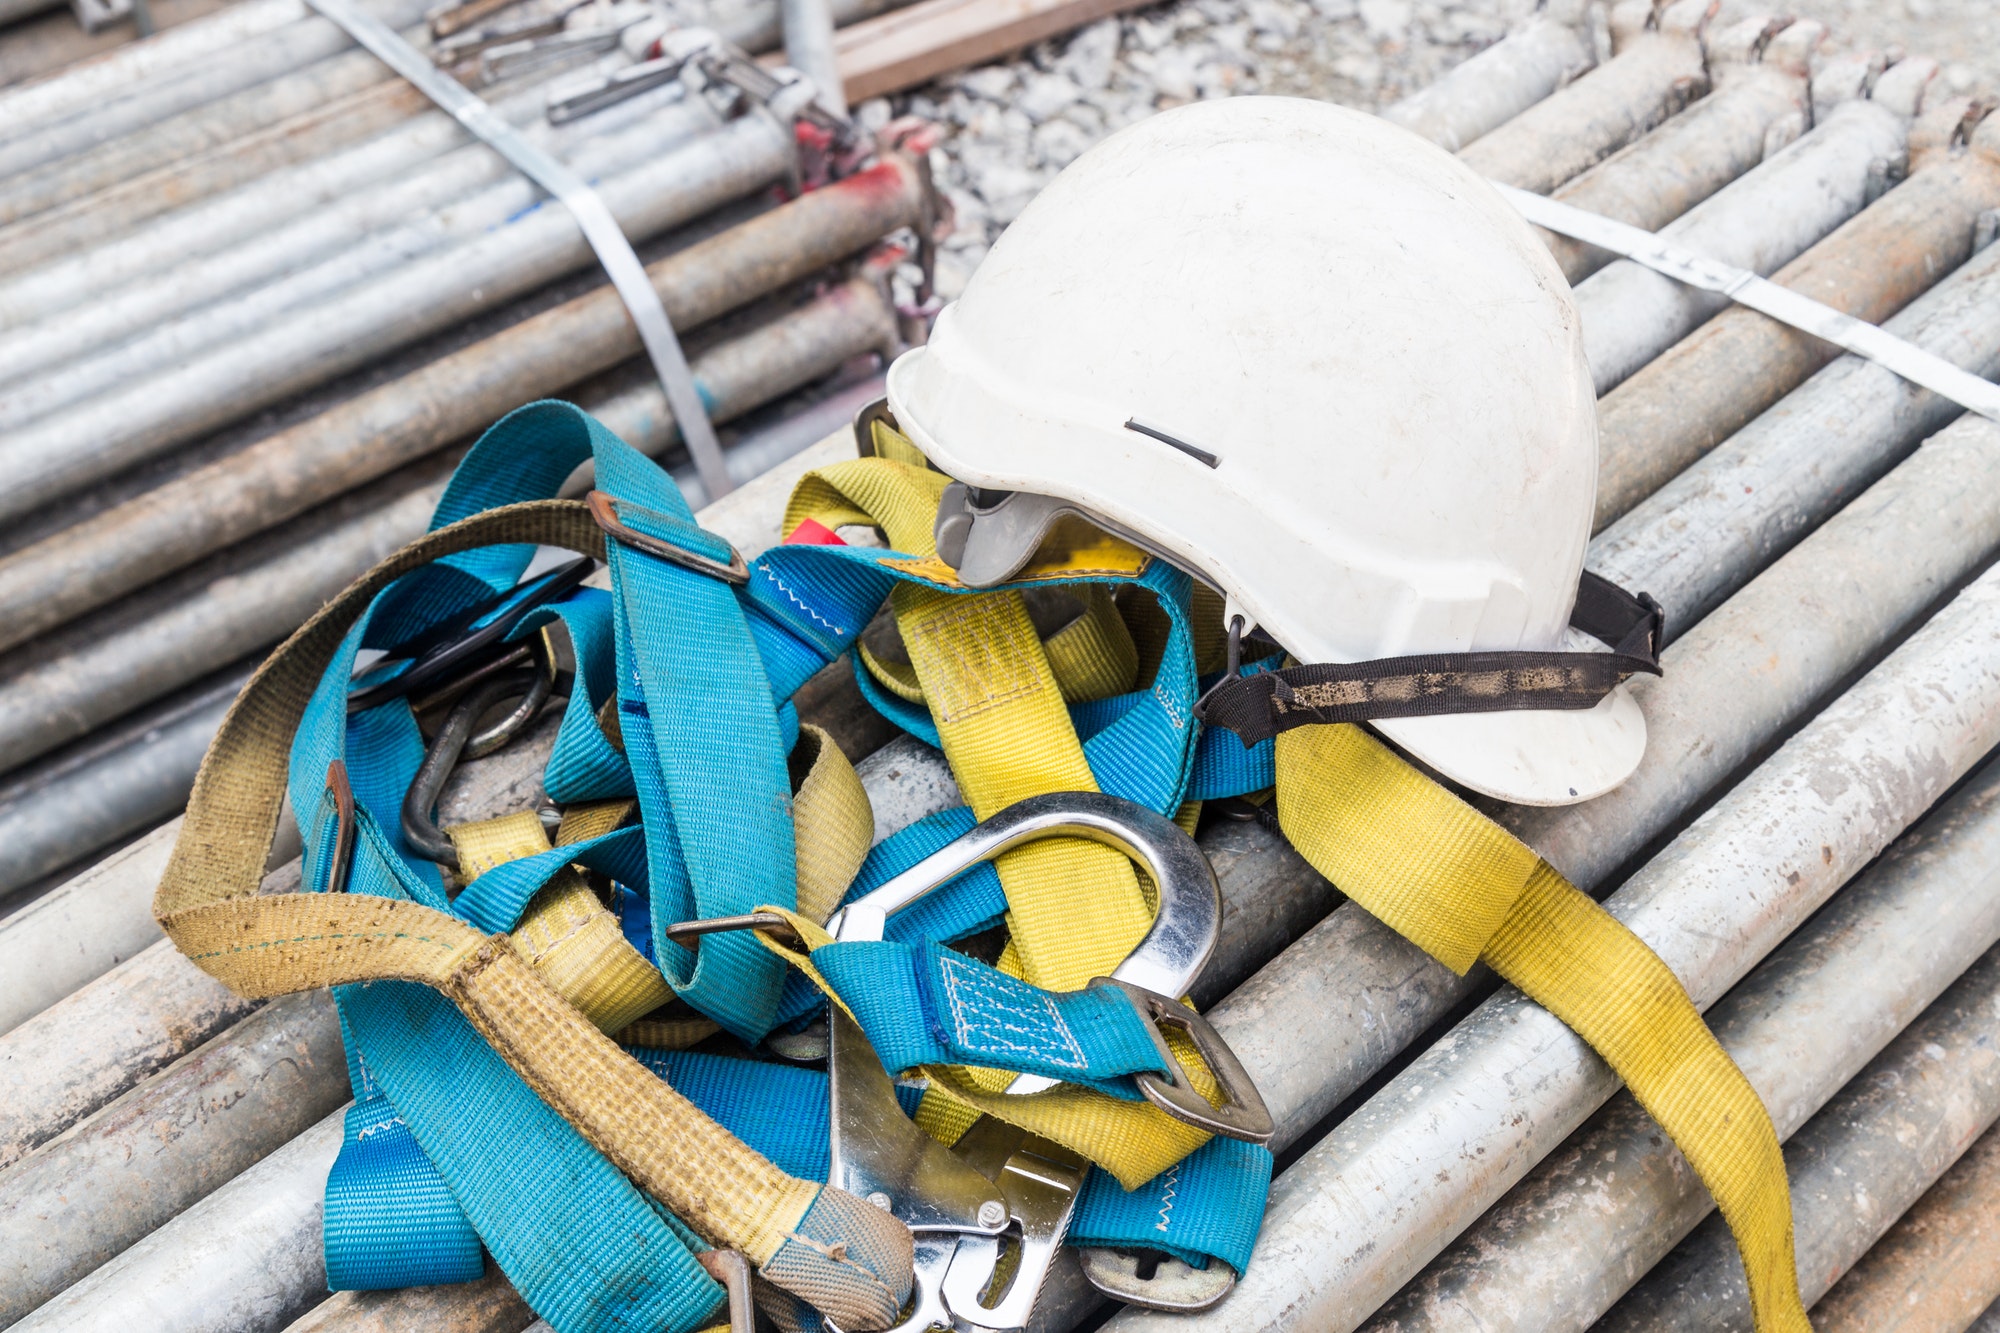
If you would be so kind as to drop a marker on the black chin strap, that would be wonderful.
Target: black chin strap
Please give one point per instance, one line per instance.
(1259, 707)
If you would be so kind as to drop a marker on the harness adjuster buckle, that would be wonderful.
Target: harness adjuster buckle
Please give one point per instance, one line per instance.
(1242, 1115)
(604, 509)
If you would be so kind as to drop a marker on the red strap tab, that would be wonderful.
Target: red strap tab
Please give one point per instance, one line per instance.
(811, 532)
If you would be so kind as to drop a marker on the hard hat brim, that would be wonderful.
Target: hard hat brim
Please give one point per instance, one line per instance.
(1541, 757)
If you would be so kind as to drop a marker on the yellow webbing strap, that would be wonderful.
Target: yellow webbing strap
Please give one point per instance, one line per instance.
(1076, 909)
(1466, 890)
(260, 946)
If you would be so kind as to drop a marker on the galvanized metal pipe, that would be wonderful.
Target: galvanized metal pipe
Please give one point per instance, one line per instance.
(141, 329)
(1706, 531)
(1868, 1156)
(1567, 1242)
(1760, 221)
(1938, 1267)
(63, 691)
(490, 1305)
(269, 55)
(49, 458)
(127, 1170)
(1366, 1207)
(233, 218)
(99, 217)
(1578, 126)
(1758, 107)
(262, 1228)
(143, 779)
(808, 26)
(1480, 95)
(375, 432)
(1712, 383)
(24, 110)
(149, 147)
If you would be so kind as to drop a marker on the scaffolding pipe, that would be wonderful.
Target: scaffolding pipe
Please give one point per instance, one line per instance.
(1479, 95)
(1758, 107)
(26, 109)
(375, 432)
(128, 1169)
(1713, 383)
(1761, 221)
(808, 26)
(262, 1228)
(61, 691)
(1578, 126)
(230, 219)
(144, 778)
(1868, 1156)
(279, 52)
(1568, 1241)
(1703, 533)
(374, 236)
(490, 1305)
(97, 218)
(1361, 1211)
(199, 130)
(1938, 1267)
(57, 695)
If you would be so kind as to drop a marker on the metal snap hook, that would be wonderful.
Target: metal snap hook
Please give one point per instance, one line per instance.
(457, 740)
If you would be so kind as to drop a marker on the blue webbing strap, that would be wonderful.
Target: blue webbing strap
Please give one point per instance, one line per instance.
(927, 1005)
(581, 1244)
(1208, 1205)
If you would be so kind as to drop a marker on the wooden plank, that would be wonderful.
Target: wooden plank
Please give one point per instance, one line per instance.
(906, 47)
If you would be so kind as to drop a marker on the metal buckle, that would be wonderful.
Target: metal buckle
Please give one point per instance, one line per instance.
(864, 426)
(604, 508)
(1243, 1114)
(455, 656)
(1155, 1280)
(732, 1270)
(456, 739)
(342, 857)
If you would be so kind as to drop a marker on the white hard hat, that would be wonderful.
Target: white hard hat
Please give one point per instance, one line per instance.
(1319, 363)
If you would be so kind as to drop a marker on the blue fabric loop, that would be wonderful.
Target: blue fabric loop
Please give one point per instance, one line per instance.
(924, 1004)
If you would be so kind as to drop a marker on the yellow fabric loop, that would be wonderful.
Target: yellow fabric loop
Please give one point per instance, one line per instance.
(1093, 656)
(899, 498)
(833, 824)
(1464, 889)
(1430, 866)
(1075, 908)
(1580, 963)
(569, 937)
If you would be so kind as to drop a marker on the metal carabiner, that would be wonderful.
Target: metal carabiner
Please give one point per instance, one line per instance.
(532, 684)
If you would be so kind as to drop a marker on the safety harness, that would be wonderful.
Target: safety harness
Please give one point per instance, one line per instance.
(520, 1030)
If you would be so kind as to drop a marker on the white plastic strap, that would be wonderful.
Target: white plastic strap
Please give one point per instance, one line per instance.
(1783, 304)
(606, 237)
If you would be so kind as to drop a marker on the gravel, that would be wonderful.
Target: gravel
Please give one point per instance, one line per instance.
(1008, 127)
